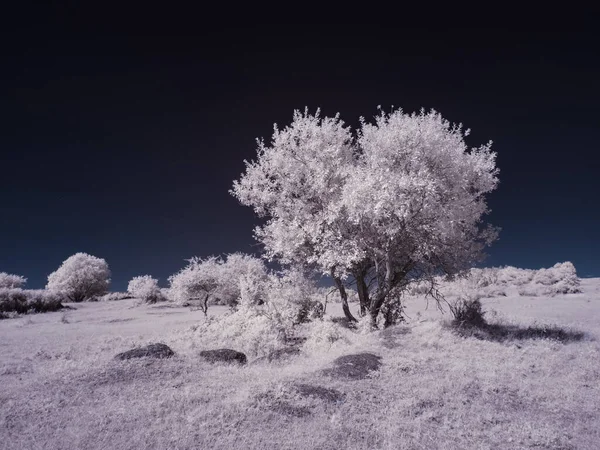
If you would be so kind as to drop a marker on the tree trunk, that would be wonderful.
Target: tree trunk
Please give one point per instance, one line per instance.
(205, 305)
(363, 292)
(344, 296)
(383, 289)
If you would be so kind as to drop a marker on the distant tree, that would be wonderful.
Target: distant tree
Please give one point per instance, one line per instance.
(80, 277)
(11, 281)
(145, 288)
(400, 201)
(199, 280)
(216, 279)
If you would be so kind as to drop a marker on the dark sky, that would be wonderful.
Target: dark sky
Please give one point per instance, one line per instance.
(125, 147)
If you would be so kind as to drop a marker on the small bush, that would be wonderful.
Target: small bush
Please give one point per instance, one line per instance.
(114, 296)
(468, 312)
(249, 329)
(322, 335)
(145, 288)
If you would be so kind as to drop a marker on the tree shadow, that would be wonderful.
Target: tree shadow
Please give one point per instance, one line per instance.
(504, 332)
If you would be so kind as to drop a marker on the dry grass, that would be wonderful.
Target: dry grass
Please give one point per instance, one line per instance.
(62, 389)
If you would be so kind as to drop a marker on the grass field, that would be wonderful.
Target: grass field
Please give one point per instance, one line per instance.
(62, 389)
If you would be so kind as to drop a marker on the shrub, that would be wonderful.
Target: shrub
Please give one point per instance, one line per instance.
(248, 329)
(80, 277)
(241, 275)
(22, 301)
(145, 288)
(322, 335)
(214, 280)
(290, 296)
(11, 281)
(559, 279)
(114, 296)
(310, 310)
(468, 312)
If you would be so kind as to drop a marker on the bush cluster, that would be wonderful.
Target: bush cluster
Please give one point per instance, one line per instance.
(114, 296)
(21, 301)
(501, 281)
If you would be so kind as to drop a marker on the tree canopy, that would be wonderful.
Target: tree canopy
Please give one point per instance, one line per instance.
(398, 200)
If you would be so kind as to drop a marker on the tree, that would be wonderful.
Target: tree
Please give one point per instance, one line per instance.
(197, 281)
(146, 288)
(237, 277)
(399, 201)
(11, 281)
(80, 277)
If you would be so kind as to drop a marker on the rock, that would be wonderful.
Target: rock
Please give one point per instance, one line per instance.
(150, 351)
(354, 367)
(278, 355)
(318, 392)
(224, 355)
(298, 399)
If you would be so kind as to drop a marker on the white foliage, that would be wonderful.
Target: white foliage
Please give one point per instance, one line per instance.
(80, 277)
(198, 280)
(248, 329)
(501, 281)
(219, 280)
(258, 328)
(242, 278)
(11, 281)
(323, 335)
(114, 296)
(405, 198)
(145, 288)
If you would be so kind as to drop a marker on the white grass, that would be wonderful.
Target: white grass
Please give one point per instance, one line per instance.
(62, 389)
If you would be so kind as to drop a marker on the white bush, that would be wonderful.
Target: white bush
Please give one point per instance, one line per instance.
(241, 278)
(11, 281)
(248, 329)
(323, 335)
(228, 281)
(80, 277)
(167, 294)
(145, 288)
(258, 328)
(561, 278)
(496, 282)
(292, 297)
(199, 280)
(114, 296)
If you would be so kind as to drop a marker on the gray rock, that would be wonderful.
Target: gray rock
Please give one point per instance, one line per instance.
(224, 355)
(354, 367)
(150, 351)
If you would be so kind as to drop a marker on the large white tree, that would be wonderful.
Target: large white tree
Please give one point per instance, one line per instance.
(401, 199)
(80, 277)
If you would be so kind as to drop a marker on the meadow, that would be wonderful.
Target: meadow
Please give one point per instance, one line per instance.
(437, 388)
